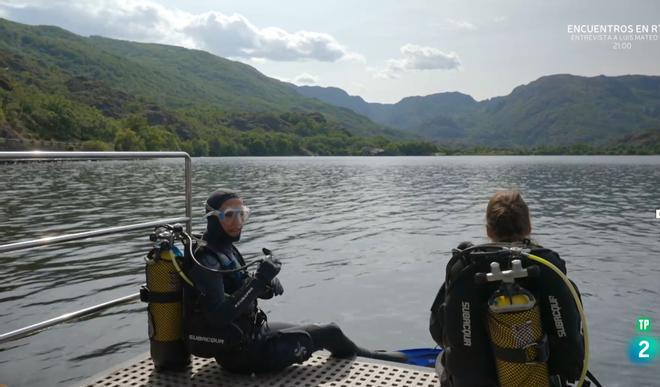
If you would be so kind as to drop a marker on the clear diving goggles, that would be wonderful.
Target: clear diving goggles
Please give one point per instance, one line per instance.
(231, 214)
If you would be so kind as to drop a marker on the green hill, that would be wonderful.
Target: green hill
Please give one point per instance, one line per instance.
(556, 110)
(567, 109)
(63, 91)
(60, 88)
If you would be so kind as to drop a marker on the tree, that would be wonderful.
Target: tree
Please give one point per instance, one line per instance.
(158, 138)
(200, 147)
(127, 140)
(95, 145)
(136, 122)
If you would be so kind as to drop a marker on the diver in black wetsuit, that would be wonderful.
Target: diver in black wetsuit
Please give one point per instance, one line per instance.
(458, 320)
(222, 318)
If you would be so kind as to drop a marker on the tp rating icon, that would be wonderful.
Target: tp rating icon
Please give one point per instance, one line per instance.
(643, 324)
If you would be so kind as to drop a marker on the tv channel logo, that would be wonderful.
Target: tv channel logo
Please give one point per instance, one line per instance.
(642, 349)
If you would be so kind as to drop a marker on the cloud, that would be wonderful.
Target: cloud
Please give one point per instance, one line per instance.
(415, 58)
(235, 36)
(135, 20)
(143, 20)
(306, 79)
(460, 25)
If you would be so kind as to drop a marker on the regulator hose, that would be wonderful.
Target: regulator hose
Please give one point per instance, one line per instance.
(578, 303)
(192, 255)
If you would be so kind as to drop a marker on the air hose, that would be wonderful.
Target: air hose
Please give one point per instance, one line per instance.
(240, 268)
(178, 233)
(578, 303)
(181, 273)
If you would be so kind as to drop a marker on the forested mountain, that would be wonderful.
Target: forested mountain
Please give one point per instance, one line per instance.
(60, 88)
(556, 110)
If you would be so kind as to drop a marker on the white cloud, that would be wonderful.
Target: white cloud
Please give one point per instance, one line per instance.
(306, 79)
(460, 25)
(143, 20)
(134, 20)
(416, 57)
(235, 36)
(257, 60)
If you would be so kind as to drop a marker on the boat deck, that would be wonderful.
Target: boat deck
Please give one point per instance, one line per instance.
(319, 370)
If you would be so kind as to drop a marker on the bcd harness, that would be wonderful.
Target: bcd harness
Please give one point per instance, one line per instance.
(507, 315)
(208, 338)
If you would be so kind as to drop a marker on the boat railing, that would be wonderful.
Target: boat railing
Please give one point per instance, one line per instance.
(53, 155)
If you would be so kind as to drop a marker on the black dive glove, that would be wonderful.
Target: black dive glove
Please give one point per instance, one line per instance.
(267, 271)
(276, 287)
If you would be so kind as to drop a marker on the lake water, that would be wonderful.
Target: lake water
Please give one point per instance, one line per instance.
(364, 243)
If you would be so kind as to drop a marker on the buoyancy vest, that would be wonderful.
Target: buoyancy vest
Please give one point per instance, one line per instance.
(207, 338)
(458, 317)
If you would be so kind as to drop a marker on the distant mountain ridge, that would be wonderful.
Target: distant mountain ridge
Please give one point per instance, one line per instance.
(557, 109)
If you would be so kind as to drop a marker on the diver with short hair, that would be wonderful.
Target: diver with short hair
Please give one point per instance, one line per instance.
(459, 311)
(222, 319)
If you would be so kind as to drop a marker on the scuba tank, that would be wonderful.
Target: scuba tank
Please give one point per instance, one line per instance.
(514, 326)
(479, 354)
(163, 293)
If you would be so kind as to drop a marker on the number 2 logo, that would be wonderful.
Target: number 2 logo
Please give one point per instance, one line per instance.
(642, 350)
(645, 347)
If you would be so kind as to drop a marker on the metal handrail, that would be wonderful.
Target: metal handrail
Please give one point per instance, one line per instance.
(30, 329)
(36, 155)
(87, 234)
(56, 155)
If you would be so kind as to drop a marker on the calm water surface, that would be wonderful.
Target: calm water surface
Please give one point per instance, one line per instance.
(364, 243)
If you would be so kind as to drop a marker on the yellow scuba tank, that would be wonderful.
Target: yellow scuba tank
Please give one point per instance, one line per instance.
(163, 293)
(515, 330)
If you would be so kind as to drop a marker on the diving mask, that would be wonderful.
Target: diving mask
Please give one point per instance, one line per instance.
(231, 214)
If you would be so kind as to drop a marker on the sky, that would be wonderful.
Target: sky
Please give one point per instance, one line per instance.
(384, 50)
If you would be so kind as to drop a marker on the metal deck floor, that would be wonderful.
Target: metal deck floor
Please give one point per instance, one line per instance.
(317, 371)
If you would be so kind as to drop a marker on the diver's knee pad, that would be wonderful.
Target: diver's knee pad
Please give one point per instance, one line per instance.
(282, 349)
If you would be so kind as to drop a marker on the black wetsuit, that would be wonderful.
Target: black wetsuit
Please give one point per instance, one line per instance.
(223, 320)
